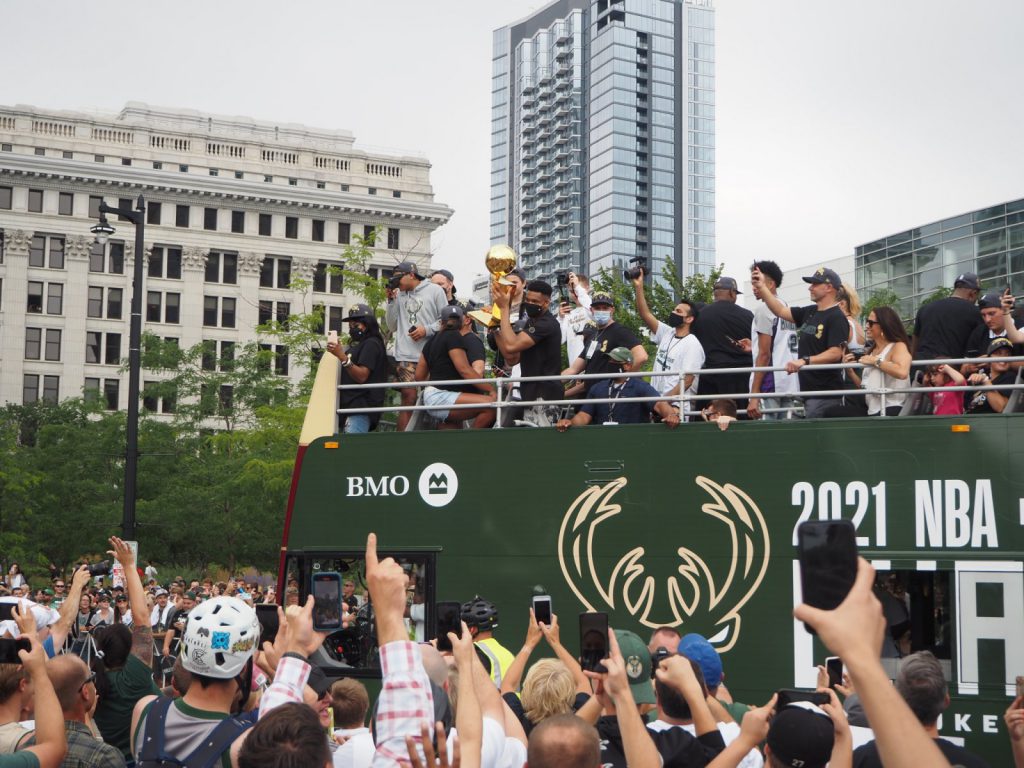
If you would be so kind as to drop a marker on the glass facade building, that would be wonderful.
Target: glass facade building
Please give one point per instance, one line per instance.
(917, 262)
(602, 141)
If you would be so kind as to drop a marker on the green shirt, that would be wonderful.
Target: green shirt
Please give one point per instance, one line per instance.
(19, 760)
(184, 730)
(114, 712)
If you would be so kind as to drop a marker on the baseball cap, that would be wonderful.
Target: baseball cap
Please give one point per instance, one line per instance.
(826, 276)
(1000, 343)
(990, 301)
(801, 738)
(602, 298)
(407, 268)
(638, 665)
(621, 355)
(452, 310)
(968, 280)
(318, 681)
(727, 284)
(359, 312)
(696, 648)
(444, 272)
(190, 595)
(161, 591)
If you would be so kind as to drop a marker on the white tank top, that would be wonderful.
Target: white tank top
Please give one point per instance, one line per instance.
(874, 378)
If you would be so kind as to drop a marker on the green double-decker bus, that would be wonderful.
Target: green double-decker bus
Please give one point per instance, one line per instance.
(692, 528)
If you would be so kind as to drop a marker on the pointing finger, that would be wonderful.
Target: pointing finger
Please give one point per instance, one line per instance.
(371, 552)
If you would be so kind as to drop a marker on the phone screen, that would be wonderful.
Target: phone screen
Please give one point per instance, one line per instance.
(9, 650)
(828, 562)
(834, 667)
(542, 609)
(449, 619)
(789, 695)
(269, 624)
(593, 641)
(327, 601)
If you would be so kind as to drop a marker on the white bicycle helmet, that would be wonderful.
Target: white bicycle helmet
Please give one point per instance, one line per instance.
(221, 635)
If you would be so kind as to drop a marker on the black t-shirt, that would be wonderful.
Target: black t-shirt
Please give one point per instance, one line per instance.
(678, 748)
(943, 327)
(439, 361)
(474, 348)
(714, 323)
(979, 402)
(368, 353)
(517, 708)
(544, 358)
(866, 755)
(818, 331)
(598, 342)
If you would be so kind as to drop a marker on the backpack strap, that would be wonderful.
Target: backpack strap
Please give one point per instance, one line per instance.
(217, 742)
(151, 752)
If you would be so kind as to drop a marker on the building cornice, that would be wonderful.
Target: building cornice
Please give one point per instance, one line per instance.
(130, 180)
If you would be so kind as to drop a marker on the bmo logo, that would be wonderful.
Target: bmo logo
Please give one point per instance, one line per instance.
(438, 485)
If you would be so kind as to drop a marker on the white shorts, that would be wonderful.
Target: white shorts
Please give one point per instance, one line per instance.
(439, 401)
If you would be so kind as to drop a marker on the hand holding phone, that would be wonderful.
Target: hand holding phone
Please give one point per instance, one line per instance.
(593, 641)
(449, 619)
(828, 562)
(789, 695)
(542, 609)
(9, 649)
(834, 668)
(332, 337)
(327, 610)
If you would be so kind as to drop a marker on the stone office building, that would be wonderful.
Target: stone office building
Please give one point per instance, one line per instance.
(236, 208)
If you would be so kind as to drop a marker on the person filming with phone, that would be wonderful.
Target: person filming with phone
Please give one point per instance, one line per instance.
(364, 362)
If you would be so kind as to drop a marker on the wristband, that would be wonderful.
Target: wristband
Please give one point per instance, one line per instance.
(347, 362)
(807, 360)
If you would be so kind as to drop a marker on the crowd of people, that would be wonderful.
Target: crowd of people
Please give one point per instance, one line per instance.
(238, 699)
(697, 349)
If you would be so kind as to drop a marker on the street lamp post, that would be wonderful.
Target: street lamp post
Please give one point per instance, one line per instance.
(103, 230)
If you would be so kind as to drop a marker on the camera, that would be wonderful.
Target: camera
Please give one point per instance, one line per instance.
(393, 282)
(562, 277)
(99, 569)
(657, 657)
(636, 271)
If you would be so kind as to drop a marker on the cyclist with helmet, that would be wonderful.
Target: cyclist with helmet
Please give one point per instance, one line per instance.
(198, 729)
(481, 616)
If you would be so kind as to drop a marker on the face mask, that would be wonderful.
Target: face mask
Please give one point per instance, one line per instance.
(452, 325)
(532, 310)
(602, 317)
(674, 320)
(356, 334)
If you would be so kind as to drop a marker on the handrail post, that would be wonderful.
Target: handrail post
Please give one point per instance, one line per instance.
(497, 416)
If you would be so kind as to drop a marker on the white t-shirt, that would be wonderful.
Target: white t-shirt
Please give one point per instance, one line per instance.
(729, 731)
(357, 752)
(784, 347)
(675, 354)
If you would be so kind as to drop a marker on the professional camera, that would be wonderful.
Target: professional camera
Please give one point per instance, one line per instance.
(393, 282)
(634, 272)
(99, 569)
(657, 657)
(562, 277)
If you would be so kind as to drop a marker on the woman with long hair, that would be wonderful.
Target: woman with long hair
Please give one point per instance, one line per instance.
(888, 365)
(15, 578)
(849, 302)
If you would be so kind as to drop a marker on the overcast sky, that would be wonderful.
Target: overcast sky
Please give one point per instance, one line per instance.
(837, 122)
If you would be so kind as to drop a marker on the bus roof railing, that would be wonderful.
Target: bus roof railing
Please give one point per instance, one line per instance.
(505, 383)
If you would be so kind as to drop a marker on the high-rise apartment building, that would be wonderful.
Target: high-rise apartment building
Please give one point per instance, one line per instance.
(237, 209)
(603, 136)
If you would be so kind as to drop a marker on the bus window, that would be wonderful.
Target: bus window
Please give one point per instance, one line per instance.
(354, 649)
(917, 612)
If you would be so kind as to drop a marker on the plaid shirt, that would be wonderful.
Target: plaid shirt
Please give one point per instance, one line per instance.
(85, 750)
(405, 700)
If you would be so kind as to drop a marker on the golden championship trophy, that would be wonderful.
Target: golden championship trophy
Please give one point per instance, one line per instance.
(500, 260)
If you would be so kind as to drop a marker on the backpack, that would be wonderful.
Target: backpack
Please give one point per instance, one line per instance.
(152, 755)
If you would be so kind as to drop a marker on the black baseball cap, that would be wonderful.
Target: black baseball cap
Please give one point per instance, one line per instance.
(727, 284)
(452, 310)
(801, 738)
(602, 298)
(407, 268)
(967, 280)
(998, 344)
(445, 273)
(990, 301)
(824, 275)
(359, 312)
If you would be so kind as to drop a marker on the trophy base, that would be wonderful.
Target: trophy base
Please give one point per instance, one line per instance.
(486, 319)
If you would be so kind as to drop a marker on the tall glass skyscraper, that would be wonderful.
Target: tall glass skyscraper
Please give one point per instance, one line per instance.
(603, 136)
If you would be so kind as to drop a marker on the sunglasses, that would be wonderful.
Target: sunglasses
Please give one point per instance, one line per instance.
(58, 586)
(90, 679)
(870, 322)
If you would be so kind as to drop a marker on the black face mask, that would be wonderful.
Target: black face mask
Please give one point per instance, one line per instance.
(674, 320)
(356, 334)
(532, 310)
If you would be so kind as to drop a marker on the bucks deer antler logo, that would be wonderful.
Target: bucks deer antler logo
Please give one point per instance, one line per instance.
(699, 595)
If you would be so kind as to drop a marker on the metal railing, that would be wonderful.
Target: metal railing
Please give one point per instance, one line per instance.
(504, 385)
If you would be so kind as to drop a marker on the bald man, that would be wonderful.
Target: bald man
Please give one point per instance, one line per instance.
(76, 693)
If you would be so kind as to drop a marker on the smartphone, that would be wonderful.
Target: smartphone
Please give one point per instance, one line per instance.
(834, 667)
(542, 609)
(266, 615)
(7, 611)
(828, 562)
(449, 619)
(9, 649)
(790, 695)
(593, 641)
(332, 337)
(327, 611)
(412, 330)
